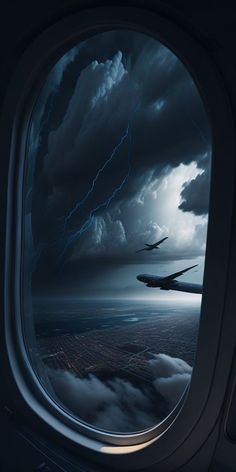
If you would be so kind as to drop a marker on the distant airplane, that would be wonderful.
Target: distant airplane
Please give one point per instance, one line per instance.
(169, 282)
(150, 247)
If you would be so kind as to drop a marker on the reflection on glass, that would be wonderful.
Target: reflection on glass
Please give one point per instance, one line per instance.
(115, 210)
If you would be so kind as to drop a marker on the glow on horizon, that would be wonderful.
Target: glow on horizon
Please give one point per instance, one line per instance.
(196, 298)
(181, 298)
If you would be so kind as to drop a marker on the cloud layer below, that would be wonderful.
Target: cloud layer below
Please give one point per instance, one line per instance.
(117, 405)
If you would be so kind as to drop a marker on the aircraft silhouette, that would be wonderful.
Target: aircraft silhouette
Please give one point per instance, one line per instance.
(150, 247)
(169, 282)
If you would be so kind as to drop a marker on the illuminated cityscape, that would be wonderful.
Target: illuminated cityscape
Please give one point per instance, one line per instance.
(121, 350)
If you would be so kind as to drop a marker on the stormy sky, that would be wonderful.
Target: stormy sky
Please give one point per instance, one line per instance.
(118, 156)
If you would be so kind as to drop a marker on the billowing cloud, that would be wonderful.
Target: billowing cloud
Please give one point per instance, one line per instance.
(115, 405)
(75, 136)
(106, 237)
(130, 115)
(155, 208)
(172, 375)
(56, 74)
(46, 100)
(119, 406)
(195, 194)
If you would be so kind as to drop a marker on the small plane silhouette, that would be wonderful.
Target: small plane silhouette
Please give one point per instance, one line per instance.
(150, 247)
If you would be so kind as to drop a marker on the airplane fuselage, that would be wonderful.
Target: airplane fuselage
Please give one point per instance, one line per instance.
(155, 281)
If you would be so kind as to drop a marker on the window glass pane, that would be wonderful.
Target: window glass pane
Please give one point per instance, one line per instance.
(116, 194)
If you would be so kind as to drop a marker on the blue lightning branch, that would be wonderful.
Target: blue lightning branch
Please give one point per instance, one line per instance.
(199, 130)
(197, 127)
(28, 193)
(89, 221)
(49, 111)
(81, 202)
(87, 224)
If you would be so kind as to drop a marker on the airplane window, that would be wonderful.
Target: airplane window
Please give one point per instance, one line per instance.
(116, 189)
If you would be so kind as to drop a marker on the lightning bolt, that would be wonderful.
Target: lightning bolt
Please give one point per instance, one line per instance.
(75, 234)
(28, 193)
(89, 221)
(49, 111)
(197, 127)
(81, 202)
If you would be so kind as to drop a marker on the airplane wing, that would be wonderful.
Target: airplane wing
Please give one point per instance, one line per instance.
(140, 250)
(169, 283)
(161, 241)
(182, 287)
(177, 274)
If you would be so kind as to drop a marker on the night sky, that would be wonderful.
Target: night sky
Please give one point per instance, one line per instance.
(118, 156)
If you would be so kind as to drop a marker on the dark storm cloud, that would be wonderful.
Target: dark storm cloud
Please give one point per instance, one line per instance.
(122, 79)
(119, 406)
(103, 103)
(195, 194)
